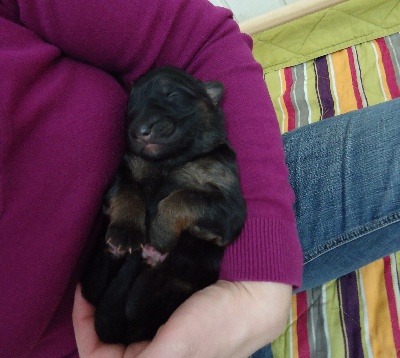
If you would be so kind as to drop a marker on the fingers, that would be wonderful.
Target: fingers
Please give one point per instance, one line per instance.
(83, 321)
(89, 345)
(134, 350)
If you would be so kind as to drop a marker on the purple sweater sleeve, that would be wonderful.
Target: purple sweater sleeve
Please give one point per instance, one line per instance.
(62, 138)
(129, 37)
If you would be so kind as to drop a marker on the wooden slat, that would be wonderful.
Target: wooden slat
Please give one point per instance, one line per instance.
(285, 14)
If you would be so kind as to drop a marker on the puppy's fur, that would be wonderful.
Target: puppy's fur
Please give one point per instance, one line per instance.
(177, 190)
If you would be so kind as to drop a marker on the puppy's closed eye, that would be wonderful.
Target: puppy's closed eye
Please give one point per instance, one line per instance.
(173, 95)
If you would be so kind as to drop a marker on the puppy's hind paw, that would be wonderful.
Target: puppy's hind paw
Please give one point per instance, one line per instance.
(151, 256)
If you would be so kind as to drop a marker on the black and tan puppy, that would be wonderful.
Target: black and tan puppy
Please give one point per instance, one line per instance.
(173, 207)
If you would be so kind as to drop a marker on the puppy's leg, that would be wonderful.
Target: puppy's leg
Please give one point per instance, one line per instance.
(126, 210)
(207, 215)
(110, 317)
(191, 265)
(101, 269)
(205, 199)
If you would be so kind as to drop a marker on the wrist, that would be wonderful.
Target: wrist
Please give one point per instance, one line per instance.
(266, 307)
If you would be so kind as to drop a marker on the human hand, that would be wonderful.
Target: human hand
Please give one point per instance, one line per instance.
(227, 319)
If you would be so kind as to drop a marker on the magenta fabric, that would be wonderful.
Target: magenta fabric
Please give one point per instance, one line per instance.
(64, 66)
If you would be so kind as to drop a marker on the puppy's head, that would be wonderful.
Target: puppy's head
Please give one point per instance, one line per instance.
(170, 113)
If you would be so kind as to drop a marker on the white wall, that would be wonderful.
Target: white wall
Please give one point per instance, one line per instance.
(247, 9)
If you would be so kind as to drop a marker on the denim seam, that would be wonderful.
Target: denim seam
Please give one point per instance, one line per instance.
(351, 236)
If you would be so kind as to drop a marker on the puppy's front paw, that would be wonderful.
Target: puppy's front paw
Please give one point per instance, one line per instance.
(122, 239)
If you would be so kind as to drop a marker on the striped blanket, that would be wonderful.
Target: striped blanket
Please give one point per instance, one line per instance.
(346, 80)
(356, 315)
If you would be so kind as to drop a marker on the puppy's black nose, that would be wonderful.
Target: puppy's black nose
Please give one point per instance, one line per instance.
(143, 131)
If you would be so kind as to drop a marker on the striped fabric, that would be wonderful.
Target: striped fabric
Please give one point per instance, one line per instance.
(357, 315)
(340, 82)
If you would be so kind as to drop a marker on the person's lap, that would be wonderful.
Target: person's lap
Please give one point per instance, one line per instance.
(345, 172)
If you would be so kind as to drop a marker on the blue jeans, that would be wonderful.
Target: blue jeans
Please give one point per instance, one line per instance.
(345, 172)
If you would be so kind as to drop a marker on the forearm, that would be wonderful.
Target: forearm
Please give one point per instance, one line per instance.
(266, 315)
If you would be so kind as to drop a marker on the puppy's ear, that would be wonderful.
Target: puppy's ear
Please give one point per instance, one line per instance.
(215, 90)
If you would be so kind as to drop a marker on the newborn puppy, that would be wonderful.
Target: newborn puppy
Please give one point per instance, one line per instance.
(173, 207)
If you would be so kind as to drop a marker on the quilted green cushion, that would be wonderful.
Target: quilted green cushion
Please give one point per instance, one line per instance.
(326, 31)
